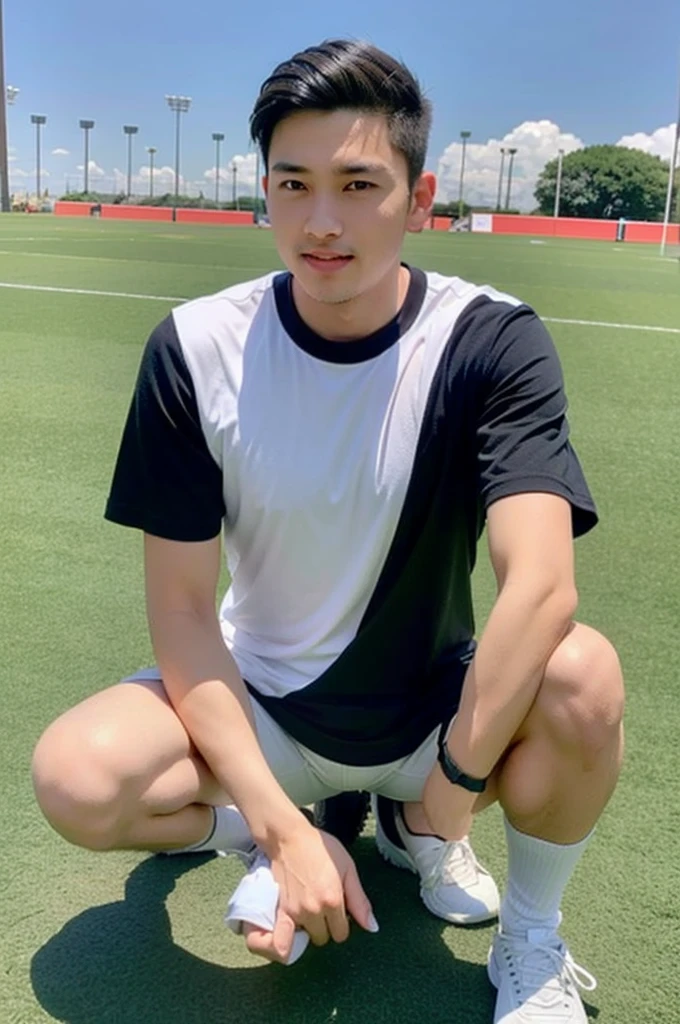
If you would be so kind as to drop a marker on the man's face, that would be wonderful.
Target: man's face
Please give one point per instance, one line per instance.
(339, 202)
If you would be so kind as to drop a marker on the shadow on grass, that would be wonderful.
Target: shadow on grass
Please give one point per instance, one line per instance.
(117, 964)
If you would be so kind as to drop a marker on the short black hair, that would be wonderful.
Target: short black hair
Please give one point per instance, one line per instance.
(342, 74)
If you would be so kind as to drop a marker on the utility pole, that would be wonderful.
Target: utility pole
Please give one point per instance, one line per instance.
(38, 120)
(558, 187)
(218, 138)
(87, 126)
(465, 135)
(500, 179)
(507, 194)
(5, 205)
(129, 130)
(179, 105)
(151, 150)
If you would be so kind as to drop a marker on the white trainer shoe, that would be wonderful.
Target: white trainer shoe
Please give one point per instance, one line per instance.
(453, 884)
(537, 980)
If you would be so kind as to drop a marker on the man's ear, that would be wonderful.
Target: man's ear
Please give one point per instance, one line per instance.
(422, 201)
(265, 186)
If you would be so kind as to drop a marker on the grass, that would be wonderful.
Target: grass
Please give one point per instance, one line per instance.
(124, 939)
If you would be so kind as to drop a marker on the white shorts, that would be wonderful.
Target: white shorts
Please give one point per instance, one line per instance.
(306, 776)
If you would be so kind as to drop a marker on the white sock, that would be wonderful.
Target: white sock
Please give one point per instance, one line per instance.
(538, 872)
(228, 831)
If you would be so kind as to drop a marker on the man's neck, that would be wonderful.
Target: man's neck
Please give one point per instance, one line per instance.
(357, 318)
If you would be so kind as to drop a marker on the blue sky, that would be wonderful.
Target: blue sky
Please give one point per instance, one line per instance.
(538, 75)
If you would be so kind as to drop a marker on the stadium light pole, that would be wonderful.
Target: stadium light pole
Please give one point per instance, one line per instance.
(87, 126)
(507, 194)
(38, 120)
(500, 179)
(5, 206)
(151, 150)
(217, 138)
(129, 130)
(179, 105)
(558, 186)
(256, 212)
(234, 173)
(465, 135)
(671, 182)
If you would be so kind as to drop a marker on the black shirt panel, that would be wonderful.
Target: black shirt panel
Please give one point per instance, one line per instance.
(495, 424)
(522, 430)
(166, 481)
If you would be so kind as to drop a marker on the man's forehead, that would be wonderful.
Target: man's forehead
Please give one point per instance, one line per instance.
(340, 137)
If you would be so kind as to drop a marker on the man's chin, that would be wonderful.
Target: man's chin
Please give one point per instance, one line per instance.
(327, 295)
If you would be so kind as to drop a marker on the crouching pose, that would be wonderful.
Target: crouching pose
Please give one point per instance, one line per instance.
(345, 429)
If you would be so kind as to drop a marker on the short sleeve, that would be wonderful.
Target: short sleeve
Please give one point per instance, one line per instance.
(522, 429)
(166, 481)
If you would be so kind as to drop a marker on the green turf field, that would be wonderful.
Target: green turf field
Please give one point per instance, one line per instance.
(125, 939)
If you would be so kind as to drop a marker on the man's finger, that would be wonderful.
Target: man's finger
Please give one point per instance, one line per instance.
(316, 928)
(283, 935)
(337, 923)
(356, 900)
(261, 943)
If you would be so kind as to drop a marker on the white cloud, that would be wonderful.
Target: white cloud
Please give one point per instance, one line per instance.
(659, 143)
(93, 169)
(245, 174)
(536, 142)
(163, 175)
(60, 152)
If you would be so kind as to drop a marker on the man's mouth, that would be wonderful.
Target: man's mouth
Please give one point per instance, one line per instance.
(326, 261)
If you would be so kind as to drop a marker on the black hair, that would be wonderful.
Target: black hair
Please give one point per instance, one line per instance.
(341, 74)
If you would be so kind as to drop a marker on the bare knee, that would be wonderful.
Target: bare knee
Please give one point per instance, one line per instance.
(78, 785)
(581, 699)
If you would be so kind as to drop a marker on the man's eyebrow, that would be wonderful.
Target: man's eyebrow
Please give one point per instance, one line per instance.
(342, 170)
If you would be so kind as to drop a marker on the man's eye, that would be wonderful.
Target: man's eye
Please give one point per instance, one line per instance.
(291, 185)
(360, 186)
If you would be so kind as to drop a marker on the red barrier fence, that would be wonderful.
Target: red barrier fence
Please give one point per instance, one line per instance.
(115, 211)
(498, 223)
(581, 227)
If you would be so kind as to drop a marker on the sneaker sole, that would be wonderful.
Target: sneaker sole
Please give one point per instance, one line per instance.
(401, 860)
(392, 855)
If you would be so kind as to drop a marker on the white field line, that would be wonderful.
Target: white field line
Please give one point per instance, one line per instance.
(116, 259)
(91, 291)
(258, 270)
(606, 323)
(180, 298)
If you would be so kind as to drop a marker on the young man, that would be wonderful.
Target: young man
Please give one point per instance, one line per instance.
(349, 427)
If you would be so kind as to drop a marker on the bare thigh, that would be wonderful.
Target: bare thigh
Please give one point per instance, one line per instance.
(127, 745)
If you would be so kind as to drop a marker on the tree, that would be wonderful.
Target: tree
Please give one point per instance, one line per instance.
(606, 181)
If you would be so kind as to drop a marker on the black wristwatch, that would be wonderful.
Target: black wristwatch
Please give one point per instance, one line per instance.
(451, 770)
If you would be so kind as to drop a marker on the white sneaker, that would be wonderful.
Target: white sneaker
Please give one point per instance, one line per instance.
(537, 980)
(453, 884)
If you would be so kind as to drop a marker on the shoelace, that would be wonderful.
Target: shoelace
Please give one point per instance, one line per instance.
(455, 864)
(538, 965)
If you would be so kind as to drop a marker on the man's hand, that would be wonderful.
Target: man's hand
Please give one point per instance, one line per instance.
(319, 886)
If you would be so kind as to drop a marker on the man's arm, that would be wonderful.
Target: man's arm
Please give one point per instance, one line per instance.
(316, 875)
(531, 548)
(203, 681)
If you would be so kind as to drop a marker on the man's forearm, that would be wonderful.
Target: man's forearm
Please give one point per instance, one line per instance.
(522, 631)
(206, 690)
(501, 684)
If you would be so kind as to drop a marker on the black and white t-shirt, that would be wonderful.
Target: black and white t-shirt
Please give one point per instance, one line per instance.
(350, 480)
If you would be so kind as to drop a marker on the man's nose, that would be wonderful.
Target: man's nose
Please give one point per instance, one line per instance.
(323, 221)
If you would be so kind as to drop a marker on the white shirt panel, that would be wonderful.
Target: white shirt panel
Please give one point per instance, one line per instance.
(309, 450)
